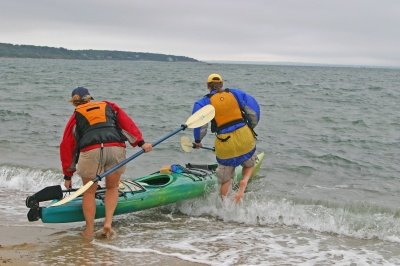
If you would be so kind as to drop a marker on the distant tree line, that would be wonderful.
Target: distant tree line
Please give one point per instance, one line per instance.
(32, 51)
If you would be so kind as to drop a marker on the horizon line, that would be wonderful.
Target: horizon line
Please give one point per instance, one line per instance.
(288, 63)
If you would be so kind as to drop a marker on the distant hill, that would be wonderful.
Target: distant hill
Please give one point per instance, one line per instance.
(32, 51)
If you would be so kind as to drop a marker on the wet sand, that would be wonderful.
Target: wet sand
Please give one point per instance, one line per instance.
(41, 245)
(18, 244)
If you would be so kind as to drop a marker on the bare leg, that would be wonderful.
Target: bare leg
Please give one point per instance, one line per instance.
(246, 173)
(224, 189)
(89, 209)
(111, 200)
(225, 175)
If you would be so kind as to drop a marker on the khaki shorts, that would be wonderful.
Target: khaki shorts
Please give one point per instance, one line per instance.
(91, 163)
(226, 173)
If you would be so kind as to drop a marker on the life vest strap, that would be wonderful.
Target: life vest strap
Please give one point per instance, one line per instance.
(224, 139)
(234, 122)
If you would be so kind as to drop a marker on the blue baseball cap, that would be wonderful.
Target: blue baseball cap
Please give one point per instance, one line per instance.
(81, 91)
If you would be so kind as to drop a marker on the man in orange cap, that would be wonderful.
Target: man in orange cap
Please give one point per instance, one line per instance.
(236, 114)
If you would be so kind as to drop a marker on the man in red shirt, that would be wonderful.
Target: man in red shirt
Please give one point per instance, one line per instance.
(93, 142)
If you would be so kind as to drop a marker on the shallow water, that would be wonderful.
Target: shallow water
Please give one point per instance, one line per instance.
(327, 193)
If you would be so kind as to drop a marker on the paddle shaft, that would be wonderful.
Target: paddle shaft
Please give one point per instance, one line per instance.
(127, 160)
(198, 119)
(205, 148)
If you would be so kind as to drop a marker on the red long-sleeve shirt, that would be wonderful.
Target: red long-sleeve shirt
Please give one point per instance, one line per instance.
(69, 143)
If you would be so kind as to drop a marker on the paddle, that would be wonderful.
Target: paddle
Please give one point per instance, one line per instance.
(201, 117)
(51, 193)
(188, 146)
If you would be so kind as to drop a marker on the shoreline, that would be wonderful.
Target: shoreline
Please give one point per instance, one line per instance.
(18, 242)
(31, 244)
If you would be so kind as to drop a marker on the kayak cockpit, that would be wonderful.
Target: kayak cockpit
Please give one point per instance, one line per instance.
(156, 180)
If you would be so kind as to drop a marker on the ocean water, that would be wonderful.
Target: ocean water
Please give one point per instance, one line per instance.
(328, 192)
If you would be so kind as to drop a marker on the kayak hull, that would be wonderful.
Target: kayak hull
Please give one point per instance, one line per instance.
(145, 192)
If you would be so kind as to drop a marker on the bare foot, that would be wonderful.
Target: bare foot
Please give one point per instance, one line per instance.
(105, 233)
(87, 234)
(238, 197)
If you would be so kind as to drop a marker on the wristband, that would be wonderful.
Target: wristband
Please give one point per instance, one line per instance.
(67, 177)
(140, 143)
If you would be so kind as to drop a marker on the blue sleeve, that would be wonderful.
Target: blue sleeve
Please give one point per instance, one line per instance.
(245, 100)
(197, 106)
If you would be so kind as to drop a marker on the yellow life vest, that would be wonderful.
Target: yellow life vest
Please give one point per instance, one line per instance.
(234, 144)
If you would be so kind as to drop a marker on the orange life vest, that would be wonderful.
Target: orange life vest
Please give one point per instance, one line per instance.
(96, 123)
(227, 109)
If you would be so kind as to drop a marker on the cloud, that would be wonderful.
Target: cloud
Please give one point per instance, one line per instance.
(339, 32)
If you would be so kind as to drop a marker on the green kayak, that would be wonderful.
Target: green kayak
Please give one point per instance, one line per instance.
(157, 189)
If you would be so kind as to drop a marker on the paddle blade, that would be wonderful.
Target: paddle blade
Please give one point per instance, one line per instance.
(186, 144)
(201, 117)
(73, 195)
(48, 193)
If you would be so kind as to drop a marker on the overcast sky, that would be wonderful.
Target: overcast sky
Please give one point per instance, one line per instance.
(355, 32)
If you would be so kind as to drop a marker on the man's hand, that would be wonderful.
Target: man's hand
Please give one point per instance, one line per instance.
(147, 147)
(197, 145)
(68, 184)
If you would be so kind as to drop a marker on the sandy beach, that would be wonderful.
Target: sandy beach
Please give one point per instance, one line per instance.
(31, 245)
(19, 243)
